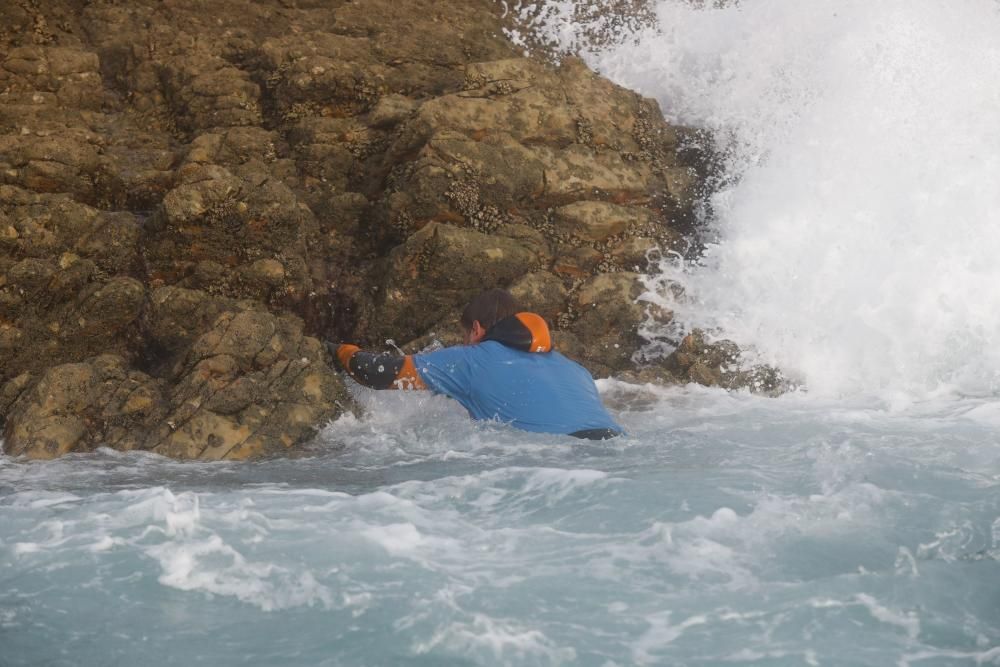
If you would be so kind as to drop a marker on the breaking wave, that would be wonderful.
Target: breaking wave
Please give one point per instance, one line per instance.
(858, 224)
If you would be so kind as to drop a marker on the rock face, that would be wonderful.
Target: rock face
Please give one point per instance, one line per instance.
(712, 364)
(557, 182)
(252, 384)
(193, 194)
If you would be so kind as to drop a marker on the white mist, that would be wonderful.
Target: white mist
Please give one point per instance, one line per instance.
(860, 238)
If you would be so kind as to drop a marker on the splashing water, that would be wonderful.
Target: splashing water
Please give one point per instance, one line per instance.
(856, 244)
(860, 229)
(725, 529)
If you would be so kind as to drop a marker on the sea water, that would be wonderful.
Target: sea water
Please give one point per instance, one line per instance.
(853, 522)
(725, 528)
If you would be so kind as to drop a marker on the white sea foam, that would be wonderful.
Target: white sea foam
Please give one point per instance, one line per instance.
(171, 529)
(860, 225)
(987, 413)
(520, 491)
(496, 641)
(662, 632)
(39, 499)
(403, 539)
(105, 543)
(727, 528)
(727, 549)
(210, 565)
(765, 657)
(908, 621)
(558, 483)
(919, 658)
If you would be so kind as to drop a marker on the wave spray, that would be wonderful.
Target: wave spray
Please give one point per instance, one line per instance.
(859, 233)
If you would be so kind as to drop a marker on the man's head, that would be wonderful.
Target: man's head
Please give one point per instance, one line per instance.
(484, 310)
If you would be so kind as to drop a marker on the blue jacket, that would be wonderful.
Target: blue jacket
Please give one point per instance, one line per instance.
(512, 376)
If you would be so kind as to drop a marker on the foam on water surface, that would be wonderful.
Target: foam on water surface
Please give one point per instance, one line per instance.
(858, 523)
(726, 528)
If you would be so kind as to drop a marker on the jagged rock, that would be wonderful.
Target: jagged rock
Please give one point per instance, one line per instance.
(636, 253)
(391, 110)
(588, 166)
(47, 226)
(481, 183)
(542, 292)
(327, 149)
(200, 189)
(50, 164)
(234, 146)
(720, 364)
(205, 91)
(320, 73)
(520, 139)
(426, 44)
(597, 221)
(72, 74)
(80, 406)
(11, 390)
(60, 297)
(442, 266)
(577, 262)
(252, 385)
(235, 220)
(102, 311)
(177, 316)
(607, 320)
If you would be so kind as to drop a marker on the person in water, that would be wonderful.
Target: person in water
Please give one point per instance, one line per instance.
(506, 371)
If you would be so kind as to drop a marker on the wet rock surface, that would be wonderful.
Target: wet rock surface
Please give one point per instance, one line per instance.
(712, 363)
(193, 195)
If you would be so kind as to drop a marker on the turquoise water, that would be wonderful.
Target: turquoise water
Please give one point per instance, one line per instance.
(725, 529)
(855, 525)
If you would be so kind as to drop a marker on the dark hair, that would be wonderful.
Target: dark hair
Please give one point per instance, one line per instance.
(489, 307)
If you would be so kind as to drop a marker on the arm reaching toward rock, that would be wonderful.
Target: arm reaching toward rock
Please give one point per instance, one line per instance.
(378, 371)
(506, 372)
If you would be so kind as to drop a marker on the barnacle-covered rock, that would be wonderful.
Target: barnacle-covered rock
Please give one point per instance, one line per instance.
(193, 194)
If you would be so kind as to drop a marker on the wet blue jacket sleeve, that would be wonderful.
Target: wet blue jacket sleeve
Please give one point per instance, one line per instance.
(446, 371)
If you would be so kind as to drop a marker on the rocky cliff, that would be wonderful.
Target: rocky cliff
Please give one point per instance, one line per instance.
(193, 194)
